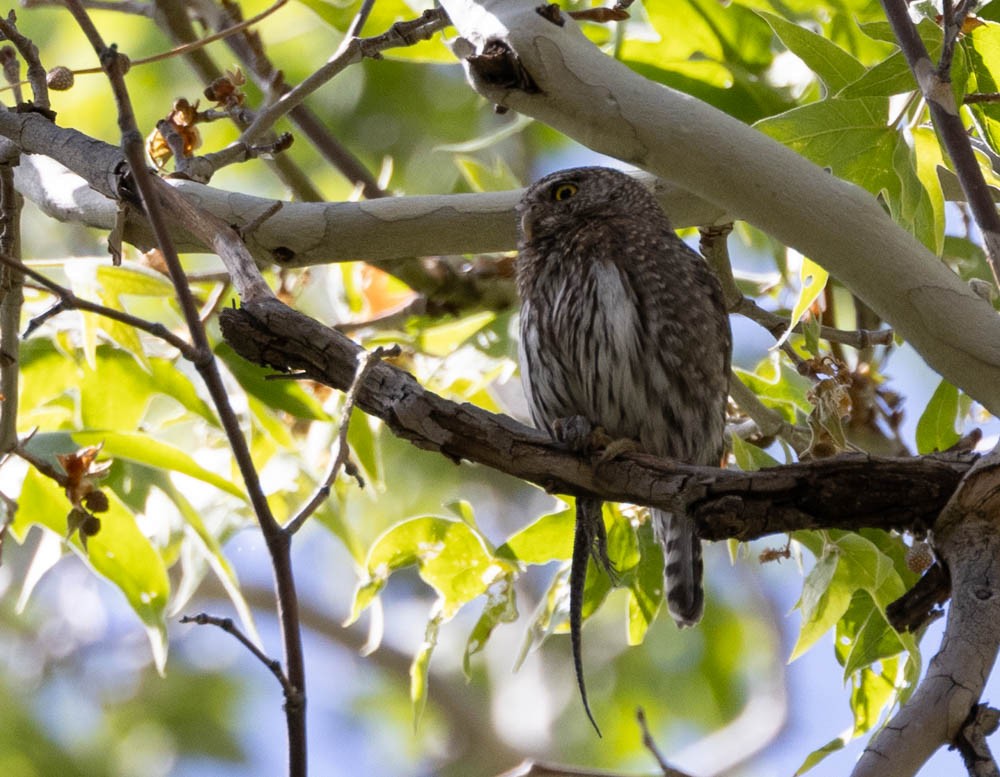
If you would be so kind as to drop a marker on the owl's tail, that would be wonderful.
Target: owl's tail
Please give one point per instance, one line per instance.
(682, 567)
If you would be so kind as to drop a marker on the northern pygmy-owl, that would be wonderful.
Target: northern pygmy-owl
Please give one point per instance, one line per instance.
(624, 326)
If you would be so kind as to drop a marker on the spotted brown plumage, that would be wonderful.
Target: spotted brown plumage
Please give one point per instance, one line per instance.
(623, 326)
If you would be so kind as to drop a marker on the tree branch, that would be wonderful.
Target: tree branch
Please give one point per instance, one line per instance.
(935, 85)
(278, 542)
(848, 492)
(967, 537)
(598, 101)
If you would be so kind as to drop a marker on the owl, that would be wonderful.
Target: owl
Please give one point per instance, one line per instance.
(623, 330)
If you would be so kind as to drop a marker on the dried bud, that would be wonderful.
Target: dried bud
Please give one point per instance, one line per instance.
(91, 525)
(96, 501)
(60, 78)
(919, 557)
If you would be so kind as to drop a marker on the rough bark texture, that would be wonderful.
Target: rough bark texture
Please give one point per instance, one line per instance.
(848, 492)
(968, 539)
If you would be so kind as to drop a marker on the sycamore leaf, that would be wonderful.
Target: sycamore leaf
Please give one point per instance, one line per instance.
(936, 427)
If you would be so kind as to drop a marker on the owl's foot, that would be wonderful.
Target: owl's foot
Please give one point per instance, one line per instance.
(615, 448)
(576, 433)
(581, 436)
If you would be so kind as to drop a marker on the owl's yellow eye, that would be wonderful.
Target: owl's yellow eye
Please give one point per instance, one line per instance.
(564, 191)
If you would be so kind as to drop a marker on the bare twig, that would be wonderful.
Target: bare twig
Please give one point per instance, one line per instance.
(714, 248)
(134, 7)
(366, 360)
(650, 744)
(352, 50)
(69, 301)
(935, 84)
(277, 541)
(769, 422)
(358, 23)
(952, 18)
(177, 51)
(776, 325)
(11, 302)
(227, 625)
(29, 51)
(249, 50)
(981, 97)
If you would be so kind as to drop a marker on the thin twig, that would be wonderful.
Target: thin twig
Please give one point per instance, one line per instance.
(982, 97)
(277, 541)
(776, 325)
(360, 18)
(650, 744)
(351, 51)
(936, 88)
(186, 48)
(248, 49)
(29, 52)
(227, 625)
(366, 360)
(11, 303)
(134, 7)
(69, 301)
(769, 422)
(174, 16)
(952, 19)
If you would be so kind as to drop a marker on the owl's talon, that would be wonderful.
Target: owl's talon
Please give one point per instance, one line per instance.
(615, 448)
(575, 432)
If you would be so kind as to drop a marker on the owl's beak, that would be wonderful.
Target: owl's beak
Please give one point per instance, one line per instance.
(526, 226)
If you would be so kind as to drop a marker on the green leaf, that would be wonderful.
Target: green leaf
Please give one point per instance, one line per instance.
(864, 635)
(500, 607)
(363, 441)
(982, 49)
(118, 552)
(820, 753)
(443, 339)
(848, 136)
(134, 388)
(284, 395)
(549, 538)
(749, 457)
(924, 159)
(936, 427)
(645, 586)
(716, 53)
(420, 668)
(451, 557)
(483, 178)
(834, 66)
(778, 386)
(141, 448)
(872, 692)
(893, 76)
(813, 280)
(211, 549)
(133, 279)
(825, 598)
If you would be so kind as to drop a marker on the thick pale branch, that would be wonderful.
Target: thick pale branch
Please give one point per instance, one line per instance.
(553, 73)
(82, 186)
(847, 492)
(967, 538)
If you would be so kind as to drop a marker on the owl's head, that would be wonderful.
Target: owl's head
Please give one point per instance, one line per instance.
(568, 199)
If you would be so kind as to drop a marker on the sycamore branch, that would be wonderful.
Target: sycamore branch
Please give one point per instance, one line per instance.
(519, 60)
(848, 492)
